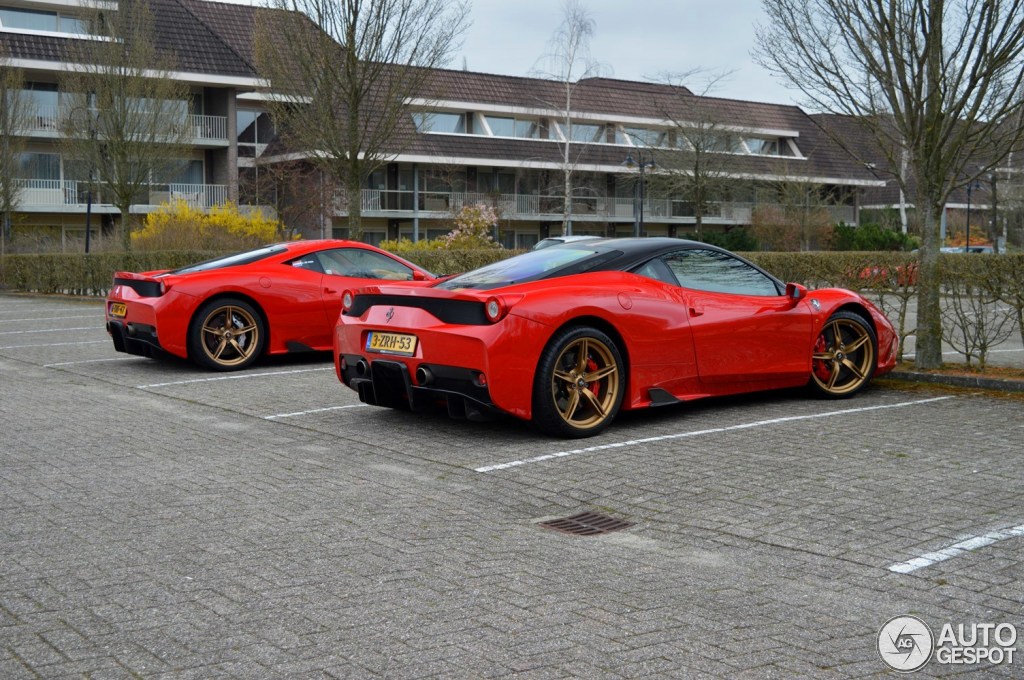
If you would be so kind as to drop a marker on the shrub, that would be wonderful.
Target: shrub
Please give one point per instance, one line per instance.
(443, 261)
(80, 274)
(404, 245)
(872, 237)
(179, 226)
(473, 227)
(736, 240)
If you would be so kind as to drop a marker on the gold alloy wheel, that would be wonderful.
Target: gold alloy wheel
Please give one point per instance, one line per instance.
(230, 335)
(585, 383)
(844, 355)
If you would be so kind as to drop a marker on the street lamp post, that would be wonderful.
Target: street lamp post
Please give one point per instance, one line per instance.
(974, 184)
(643, 161)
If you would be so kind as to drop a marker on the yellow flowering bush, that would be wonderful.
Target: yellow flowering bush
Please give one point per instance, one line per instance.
(179, 226)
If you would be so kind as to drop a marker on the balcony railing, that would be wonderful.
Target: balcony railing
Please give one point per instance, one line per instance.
(597, 208)
(53, 193)
(199, 127)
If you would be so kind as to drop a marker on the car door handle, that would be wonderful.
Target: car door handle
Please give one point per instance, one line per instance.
(330, 291)
(696, 310)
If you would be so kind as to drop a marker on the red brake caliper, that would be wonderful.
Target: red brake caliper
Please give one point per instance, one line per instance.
(821, 369)
(595, 386)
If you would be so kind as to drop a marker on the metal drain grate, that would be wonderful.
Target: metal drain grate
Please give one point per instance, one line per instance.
(587, 524)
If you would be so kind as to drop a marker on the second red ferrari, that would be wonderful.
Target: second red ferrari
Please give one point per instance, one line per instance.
(227, 312)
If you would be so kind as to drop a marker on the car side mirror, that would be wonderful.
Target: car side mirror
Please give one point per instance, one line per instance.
(419, 276)
(796, 292)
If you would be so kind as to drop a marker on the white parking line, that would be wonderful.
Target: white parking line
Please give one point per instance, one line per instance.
(911, 355)
(53, 330)
(27, 310)
(957, 549)
(59, 344)
(698, 433)
(315, 410)
(55, 318)
(231, 377)
(89, 361)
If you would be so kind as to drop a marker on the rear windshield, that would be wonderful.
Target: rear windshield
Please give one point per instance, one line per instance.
(531, 266)
(247, 257)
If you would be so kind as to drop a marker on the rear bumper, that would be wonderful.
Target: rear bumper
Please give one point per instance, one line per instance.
(135, 338)
(388, 383)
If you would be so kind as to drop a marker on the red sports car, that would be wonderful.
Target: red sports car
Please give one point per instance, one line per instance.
(569, 335)
(225, 313)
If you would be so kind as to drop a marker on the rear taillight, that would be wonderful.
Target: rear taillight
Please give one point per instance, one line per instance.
(347, 298)
(494, 309)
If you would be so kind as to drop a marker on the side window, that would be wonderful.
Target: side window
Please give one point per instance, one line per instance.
(717, 272)
(310, 262)
(657, 269)
(363, 264)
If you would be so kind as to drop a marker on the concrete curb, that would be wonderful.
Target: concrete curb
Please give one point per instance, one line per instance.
(976, 382)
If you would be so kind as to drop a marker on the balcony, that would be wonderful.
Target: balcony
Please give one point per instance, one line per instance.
(46, 195)
(532, 207)
(45, 121)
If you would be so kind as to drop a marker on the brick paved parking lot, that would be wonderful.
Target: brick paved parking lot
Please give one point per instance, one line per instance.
(162, 521)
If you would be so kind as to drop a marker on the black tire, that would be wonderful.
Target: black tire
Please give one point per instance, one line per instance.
(226, 334)
(579, 384)
(844, 356)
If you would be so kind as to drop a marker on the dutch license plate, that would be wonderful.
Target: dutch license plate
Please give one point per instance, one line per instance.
(391, 343)
(118, 309)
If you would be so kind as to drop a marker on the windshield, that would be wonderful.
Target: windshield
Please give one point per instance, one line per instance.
(230, 260)
(531, 266)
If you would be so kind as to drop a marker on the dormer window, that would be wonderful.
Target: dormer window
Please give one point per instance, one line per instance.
(19, 19)
(776, 146)
(505, 126)
(642, 137)
(440, 122)
(584, 133)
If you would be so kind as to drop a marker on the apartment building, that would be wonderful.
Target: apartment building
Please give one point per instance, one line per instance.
(469, 138)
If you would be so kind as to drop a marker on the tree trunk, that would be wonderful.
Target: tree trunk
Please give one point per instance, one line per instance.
(126, 227)
(354, 195)
(928, 345)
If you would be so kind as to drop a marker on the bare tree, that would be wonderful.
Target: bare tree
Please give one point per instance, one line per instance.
(567, 62)
(940, 81)
(351, 68)
(698, 164)
(14, 123)
(798, 220)
(124, 117)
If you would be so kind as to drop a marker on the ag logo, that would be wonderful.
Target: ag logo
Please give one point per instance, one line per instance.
(905, 643)
(390, 314)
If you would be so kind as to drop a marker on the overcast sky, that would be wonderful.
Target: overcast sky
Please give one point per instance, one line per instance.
(634, 39)
(637, 39)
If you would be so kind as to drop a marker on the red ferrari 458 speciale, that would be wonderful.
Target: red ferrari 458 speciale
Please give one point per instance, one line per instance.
(225, 313)
(569, 335)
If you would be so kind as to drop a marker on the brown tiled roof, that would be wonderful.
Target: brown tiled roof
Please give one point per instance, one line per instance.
(610, 98)
(202, 40)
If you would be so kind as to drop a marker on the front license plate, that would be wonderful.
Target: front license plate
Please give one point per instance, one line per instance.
(391, 343)
(118, 309)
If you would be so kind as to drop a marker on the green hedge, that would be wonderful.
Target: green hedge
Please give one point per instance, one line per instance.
(80, 274)
(443, 262)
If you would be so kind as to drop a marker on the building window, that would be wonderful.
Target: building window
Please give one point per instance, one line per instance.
(33, 165)
(36, 20)
(585, 133)
(777, 146)
(641, 137)
(440, 122)
(502, 126)
(255, 132)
